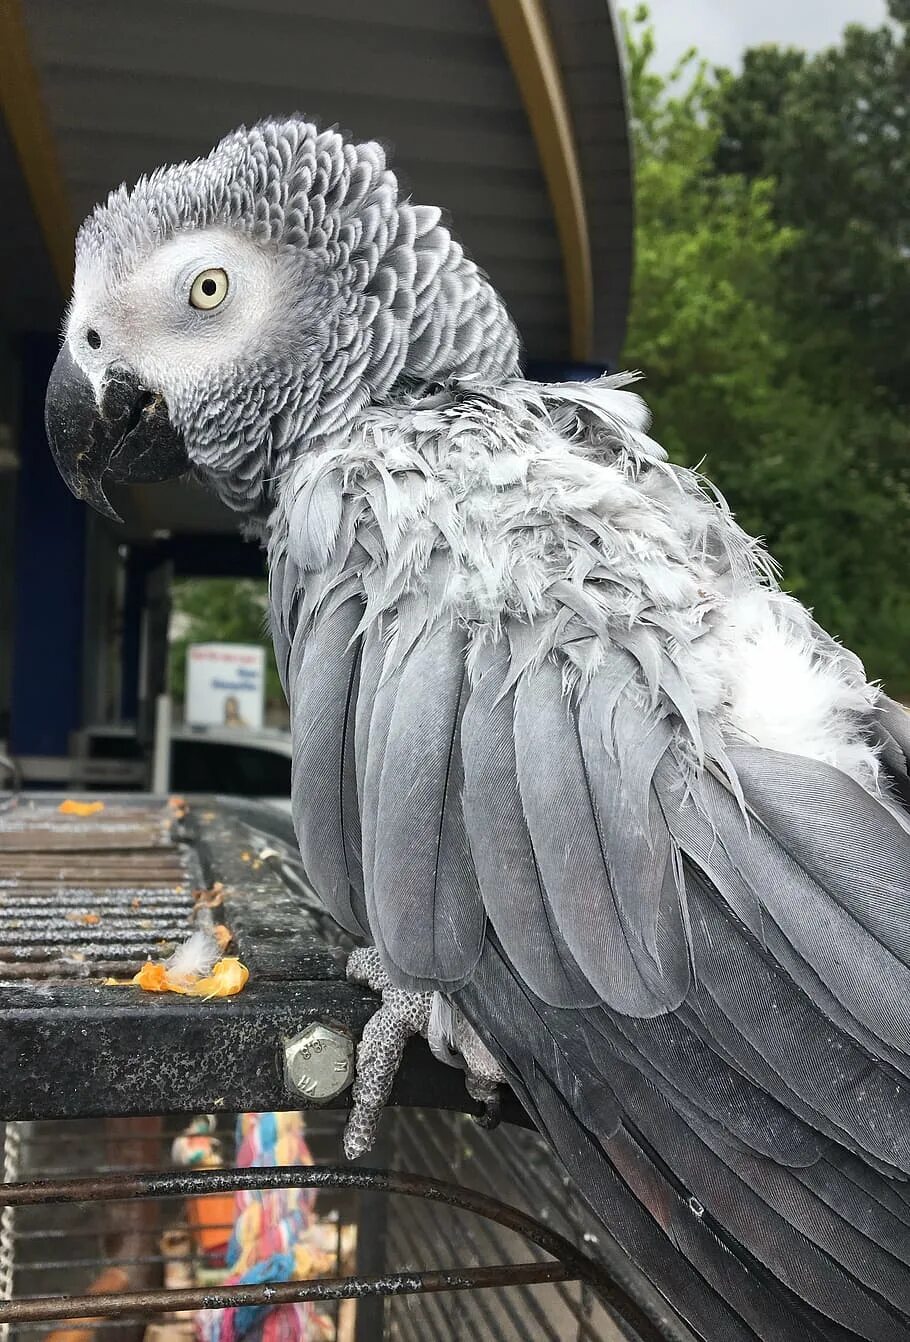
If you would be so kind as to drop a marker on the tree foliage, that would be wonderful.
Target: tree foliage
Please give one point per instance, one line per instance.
(833, 131)
(746, 368)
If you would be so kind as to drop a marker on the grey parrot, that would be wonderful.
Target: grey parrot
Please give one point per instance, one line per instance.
(613, 818)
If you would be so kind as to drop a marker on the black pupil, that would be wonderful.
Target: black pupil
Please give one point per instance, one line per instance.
(93, 339)
(209, 287)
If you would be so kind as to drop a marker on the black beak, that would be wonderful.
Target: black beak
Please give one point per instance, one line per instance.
(129, 437)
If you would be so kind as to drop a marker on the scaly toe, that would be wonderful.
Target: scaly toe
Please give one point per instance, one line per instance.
(365, 967)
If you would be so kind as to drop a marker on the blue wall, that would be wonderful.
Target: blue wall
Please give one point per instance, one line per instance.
(49, 558)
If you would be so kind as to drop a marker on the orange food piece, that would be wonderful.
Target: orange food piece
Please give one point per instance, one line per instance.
(70, 807)
(152, 977)
(87, 919)
(228, 977)
(210, 899)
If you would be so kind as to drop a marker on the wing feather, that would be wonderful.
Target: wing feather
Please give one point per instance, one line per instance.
(621, 750)
(764, 883)
(559, 806)
(422, 895)
(504, 858)
(322, 679)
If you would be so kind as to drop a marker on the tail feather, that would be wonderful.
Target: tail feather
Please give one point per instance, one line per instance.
(717, 1287)
(721, 1289)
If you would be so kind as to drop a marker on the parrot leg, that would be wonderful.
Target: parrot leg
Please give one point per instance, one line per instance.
(381, 1046)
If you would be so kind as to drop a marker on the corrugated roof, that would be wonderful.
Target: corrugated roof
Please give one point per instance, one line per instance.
(128, 86)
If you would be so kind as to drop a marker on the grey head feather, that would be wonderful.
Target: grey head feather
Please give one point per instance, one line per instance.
(380, 293)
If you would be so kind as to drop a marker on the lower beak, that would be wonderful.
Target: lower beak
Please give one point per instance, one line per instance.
(127, 437)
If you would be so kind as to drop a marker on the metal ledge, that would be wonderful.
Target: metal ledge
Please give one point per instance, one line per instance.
(71, 1047)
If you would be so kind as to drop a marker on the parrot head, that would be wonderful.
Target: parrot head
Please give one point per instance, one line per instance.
(229, 311)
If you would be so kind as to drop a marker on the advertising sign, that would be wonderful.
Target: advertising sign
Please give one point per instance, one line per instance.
(225, 685)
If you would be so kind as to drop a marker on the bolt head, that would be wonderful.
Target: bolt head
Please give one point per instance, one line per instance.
(319, 1062)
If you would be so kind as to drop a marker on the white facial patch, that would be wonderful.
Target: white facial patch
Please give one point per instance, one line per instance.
(147, 321)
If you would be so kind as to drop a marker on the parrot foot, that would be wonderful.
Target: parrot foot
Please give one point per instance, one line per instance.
(379, 1053)
(381, 1046)
(483, 1074)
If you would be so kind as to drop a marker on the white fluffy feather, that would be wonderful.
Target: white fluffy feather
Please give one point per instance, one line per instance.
(789, 693)
(196, 957)
(547, 509)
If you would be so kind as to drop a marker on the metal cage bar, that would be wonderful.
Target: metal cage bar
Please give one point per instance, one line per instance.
(612, 1280)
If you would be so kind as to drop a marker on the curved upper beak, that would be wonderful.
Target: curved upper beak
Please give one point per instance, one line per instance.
(127, 437)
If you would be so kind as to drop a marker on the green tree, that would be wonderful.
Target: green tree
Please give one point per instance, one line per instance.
(221, 610)
(805, 458)
(833, 131)
(749, 107)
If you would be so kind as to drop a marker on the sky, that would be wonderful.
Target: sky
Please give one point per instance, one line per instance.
(722, 29)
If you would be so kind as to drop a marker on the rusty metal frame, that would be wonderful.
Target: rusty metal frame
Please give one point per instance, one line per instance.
(641, 1313)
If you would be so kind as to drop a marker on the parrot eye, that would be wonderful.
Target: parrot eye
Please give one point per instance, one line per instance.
(209, 289)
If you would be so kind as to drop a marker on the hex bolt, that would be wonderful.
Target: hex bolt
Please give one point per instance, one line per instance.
(319, 1062)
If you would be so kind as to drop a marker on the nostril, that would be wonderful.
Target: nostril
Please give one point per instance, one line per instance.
(93, 338)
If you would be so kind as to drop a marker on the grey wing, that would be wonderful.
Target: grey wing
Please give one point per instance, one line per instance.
(735, 1105)
(425, 912)
(709, 1016)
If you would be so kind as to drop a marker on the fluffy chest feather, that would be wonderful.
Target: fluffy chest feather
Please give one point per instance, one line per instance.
(547, 515)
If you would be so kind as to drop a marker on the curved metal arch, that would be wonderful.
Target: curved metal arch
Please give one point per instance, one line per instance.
(525, 36)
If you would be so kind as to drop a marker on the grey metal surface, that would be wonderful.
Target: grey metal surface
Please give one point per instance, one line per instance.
(320, 1062)
(72, 1046)
(88, 896)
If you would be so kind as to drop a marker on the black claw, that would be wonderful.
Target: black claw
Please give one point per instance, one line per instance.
(491, 1116)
